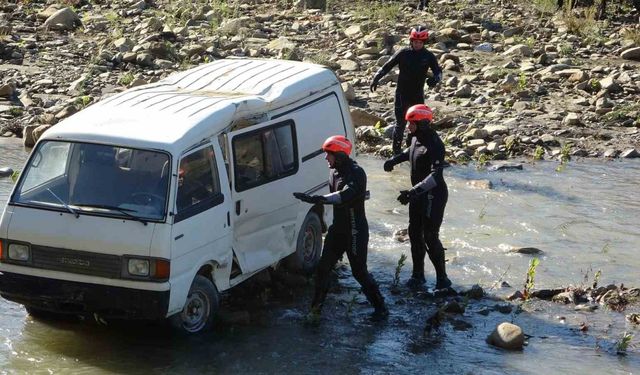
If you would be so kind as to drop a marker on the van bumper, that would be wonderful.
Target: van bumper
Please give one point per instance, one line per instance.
(69, 297)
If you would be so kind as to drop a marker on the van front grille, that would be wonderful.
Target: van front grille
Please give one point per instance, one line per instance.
(73, 261)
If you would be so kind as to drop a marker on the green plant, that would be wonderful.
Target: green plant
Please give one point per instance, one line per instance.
(631, 34)
(14, 176)
(544, 6)
(538, 154)
(482, 160)
(126, 79)
(84, 101)
(483, 210)
(582, 26)
(566, 50)
(623, 344)
(522, 81)
(565, 156)
(387, 13)
(530, 280)
(16, 111)
(396, 276)
(350, 305)
(596, 279)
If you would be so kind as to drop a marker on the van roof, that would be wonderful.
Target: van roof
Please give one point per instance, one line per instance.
(187, 107)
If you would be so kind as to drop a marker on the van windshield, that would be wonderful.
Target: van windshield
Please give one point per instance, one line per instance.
(85, 178)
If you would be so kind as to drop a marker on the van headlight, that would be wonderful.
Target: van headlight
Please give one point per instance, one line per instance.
(20, 252)
(138, 267)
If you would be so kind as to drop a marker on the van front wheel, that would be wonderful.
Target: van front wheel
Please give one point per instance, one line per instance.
(308, 246)
(200, 309)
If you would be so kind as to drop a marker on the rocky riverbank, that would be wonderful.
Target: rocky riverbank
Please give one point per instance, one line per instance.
(520, 79)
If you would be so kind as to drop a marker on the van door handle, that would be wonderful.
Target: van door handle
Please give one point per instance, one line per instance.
(179, 237)
(238, 207)
(228, 219)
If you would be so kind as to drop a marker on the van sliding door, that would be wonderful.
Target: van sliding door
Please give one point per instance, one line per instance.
(264, 164)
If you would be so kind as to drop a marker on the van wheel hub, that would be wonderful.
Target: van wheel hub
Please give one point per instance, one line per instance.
(309, 243)
(196, 311)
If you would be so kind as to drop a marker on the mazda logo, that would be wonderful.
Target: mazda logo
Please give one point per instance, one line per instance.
(75, 262)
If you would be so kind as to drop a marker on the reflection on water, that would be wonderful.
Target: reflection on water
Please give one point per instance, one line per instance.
(584, 218)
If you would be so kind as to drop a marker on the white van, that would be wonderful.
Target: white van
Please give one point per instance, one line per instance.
(151, 202)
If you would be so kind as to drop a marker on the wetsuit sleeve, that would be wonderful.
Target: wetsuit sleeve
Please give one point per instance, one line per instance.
(386, 68)
(437, 151)
(435, 68)
(353, 189)
(401, 157)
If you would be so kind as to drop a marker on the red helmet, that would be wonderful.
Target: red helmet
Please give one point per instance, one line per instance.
(419, 112)
(419, 33)
(337, 143)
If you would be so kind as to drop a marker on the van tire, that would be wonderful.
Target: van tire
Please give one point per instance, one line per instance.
(308, 246)
(200, 308)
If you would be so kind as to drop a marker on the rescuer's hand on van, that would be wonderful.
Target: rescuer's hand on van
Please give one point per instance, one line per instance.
(313, 199)
(405, 196)
(388, 165)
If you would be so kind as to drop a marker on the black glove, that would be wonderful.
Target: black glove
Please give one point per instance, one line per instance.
(374, 85)
(315, 199)
(405, 196)
(432, 82)
(388, 165)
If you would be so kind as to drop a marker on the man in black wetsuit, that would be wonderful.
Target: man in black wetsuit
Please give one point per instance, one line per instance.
(428, 196)
(414, 62)
(350, 229)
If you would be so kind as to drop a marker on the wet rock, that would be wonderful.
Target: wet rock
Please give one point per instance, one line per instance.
(565, 297)
(503, 308)
(546, 293)
(515, 295)
(504, 166)
(464, 91)
(633, 318)
(610, 153)
(586, 307)
(480, 184)
(460, 325)
(453, 307)
(401, 235)
(476, 292)
(63, 19)
(527, 251)
(5, 172)
(507, 336)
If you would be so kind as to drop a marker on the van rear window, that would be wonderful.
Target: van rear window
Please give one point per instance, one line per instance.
(264, 155)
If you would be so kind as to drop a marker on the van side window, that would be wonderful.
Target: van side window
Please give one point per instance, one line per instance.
(264, 155)
(198, 183)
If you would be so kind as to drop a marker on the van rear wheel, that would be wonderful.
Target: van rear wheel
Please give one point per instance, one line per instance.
(200, 309)
(308, 246)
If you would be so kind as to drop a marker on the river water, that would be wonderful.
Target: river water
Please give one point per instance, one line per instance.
(583, 218)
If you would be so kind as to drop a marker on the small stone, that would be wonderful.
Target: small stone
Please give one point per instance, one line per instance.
(572, 119)
(585, 307)
(565, 297)
(480, 184)
(527, 251)
(454, 307)
(6, 172)
(507, 336)
(349, 91)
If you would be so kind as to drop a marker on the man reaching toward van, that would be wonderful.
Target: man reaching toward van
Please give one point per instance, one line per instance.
(350, 229)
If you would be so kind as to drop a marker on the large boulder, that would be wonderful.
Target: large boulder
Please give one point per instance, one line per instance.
(507, 336)
(64, 19)
(360, 117)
